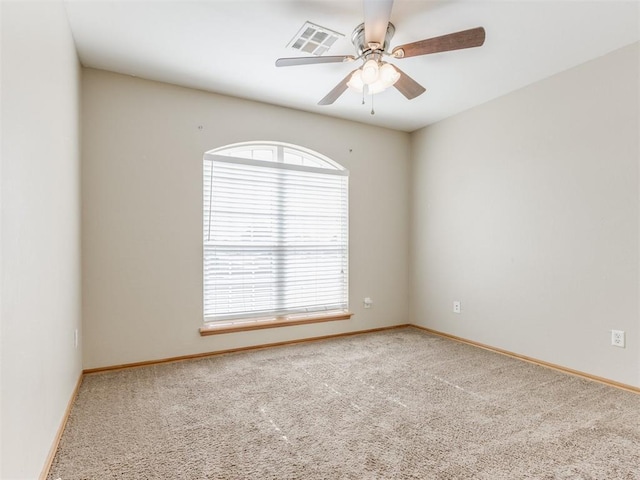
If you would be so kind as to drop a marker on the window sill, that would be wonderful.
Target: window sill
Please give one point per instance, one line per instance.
(260, 323)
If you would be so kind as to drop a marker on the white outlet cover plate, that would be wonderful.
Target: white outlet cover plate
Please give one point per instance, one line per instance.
(617, 338)
(456, 307)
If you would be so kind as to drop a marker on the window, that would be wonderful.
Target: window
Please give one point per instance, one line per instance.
(275, 234)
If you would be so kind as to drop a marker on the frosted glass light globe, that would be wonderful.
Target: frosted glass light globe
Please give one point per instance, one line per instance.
(370, 72)
(355, 82)
(376, 87)
(388, 75)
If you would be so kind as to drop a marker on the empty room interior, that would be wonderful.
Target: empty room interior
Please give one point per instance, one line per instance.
(320, 239)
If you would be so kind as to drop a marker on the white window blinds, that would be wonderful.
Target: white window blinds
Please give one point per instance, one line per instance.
(275, 238)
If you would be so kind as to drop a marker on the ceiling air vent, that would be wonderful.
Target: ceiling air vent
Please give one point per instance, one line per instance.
(314, 39)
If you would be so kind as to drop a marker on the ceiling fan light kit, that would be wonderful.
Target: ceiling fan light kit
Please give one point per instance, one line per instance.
(371, 40)
(376, 78)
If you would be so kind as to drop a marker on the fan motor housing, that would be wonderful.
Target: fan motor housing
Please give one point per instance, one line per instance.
(357, 38)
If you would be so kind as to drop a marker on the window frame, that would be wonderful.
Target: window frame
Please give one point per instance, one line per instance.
(309, 161)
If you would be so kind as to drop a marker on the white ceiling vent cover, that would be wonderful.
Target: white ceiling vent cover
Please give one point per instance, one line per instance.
(314, 39)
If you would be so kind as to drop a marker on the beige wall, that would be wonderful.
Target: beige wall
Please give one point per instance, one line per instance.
(142, 226)
(40, 243)
(526, 210)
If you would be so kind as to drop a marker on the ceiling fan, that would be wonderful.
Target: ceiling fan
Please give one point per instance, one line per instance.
(371, 40)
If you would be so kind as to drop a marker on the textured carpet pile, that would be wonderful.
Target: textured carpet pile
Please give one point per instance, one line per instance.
(398, 404)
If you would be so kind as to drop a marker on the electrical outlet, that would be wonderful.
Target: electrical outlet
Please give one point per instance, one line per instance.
(367, 302)
(617, 338)
(457, 308)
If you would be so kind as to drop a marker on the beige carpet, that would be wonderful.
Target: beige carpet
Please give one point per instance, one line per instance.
(393, 405)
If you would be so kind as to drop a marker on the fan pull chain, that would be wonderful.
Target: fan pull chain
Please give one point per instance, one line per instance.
(373, 112)
(363, 96)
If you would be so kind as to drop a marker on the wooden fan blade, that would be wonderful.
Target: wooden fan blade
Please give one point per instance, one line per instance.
(294, 61)
(407, 86)
(338, 90)
(453, 41)
(377, 14)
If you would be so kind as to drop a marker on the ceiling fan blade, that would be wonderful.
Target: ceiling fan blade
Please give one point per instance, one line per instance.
(453, 41)
(338, 90)
(377, 14)
(294, 61)
(408, 86)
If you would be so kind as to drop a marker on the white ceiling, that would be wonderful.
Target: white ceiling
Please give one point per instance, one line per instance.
(230, 46)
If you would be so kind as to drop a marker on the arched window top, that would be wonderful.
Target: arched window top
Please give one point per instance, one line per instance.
(280, 153)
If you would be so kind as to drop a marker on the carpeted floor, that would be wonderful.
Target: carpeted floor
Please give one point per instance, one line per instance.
(398, 404)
